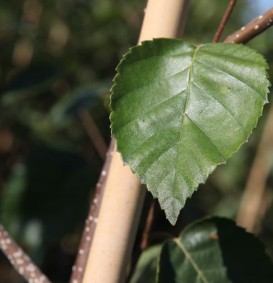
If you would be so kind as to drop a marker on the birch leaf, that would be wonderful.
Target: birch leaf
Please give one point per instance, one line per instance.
(179, 110)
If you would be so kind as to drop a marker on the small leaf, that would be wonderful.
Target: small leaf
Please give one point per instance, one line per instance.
(214, 250)
(82, 98)
(179, 110)
(146, 266)
(31, 81)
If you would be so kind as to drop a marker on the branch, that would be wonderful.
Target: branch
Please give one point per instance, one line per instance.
(251, 207)
(224, 20)
(93, 132)
(252, 29)
(91, 221)
(148, 226)
(20, 261)
(144, 240)
(123, 199)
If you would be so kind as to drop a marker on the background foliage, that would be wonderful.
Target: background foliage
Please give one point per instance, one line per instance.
(57, 59)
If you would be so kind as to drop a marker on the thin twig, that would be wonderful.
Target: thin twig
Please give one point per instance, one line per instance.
(224, 20)
(144, 240)
(252, 29)
(148, 226)
(93, 132)
(20, 261)
(91, 221)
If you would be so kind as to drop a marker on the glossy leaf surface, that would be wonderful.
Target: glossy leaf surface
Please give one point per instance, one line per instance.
(179, 110)
(214, 250)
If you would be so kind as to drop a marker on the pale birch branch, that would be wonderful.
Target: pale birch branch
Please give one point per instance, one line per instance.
(252, 199)
(123, 199)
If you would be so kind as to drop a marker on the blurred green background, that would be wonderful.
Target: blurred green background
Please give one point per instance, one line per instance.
(57, 60)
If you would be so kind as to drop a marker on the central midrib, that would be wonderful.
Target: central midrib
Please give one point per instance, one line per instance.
(189, 86)
(191, 260)
(185, 108)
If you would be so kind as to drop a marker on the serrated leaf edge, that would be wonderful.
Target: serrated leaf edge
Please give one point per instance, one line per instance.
(212, 168)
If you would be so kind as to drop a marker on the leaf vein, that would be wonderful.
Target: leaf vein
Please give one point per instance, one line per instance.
(158, 106)
(164, 152)
(240, 59)
(225, 72)
(205, 134)
(125, 63)
(150, 84)
(195, 160)
(191, 260)
(183, 114)
(224, 106)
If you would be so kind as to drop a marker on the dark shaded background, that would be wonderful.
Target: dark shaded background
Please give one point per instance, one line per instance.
(57, 59)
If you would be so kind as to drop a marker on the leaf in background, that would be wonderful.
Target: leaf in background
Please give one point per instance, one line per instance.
(214, 250)
(29, 82)
(146, 266)
(179, 110)
(83, 98)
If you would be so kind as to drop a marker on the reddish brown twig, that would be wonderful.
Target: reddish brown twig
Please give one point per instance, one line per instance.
(224, 20)
(93, 132)
(144, 240)
(91, 221)
(20, 261)
(252, 29)
(148, 226)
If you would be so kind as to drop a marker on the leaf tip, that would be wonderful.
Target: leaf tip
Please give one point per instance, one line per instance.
(172, 207)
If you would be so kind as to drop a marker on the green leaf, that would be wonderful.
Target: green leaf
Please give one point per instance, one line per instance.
(214, 250)
(179, 110)
(146, 266)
